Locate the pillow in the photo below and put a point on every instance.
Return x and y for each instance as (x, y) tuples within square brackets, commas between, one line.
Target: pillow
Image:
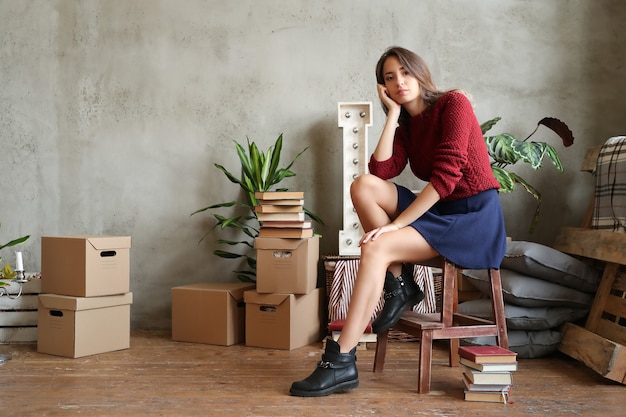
[(525, 318), (525, 291), (527, 344), (549, 264)]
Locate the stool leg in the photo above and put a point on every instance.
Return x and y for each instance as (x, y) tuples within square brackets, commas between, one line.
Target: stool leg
[(381, 351), (454, 352), (426, 356), (497, 305)]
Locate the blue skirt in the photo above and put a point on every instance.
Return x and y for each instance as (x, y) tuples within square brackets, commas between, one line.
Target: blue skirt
[(468, 232)]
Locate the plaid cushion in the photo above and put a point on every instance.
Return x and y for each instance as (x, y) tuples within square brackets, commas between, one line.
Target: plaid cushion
[(610, 193)]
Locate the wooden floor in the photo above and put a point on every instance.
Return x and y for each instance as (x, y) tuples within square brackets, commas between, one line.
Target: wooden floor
[(159, 377)]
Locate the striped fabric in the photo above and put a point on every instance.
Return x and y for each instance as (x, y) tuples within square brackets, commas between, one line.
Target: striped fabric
[(610, 193), (344, 276)]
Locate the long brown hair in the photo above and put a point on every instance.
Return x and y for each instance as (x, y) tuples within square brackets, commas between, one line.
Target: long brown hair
[(417, 67)]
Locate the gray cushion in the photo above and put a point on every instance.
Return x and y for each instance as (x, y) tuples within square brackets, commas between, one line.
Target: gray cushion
[(527, 344), (525, 318), (549, 264), (526, 291)]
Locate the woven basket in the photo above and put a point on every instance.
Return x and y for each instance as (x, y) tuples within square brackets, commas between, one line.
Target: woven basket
[(394, 335)]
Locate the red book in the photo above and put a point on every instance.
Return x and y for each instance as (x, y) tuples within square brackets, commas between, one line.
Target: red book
[(337, 326), (487, 354)]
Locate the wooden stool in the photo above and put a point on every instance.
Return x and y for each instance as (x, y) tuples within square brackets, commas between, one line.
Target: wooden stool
[(448, 324)]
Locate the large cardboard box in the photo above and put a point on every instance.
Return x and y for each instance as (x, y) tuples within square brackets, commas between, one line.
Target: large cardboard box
[(85, 266), (282, 321), (209, 312), (81, 326), (286, 265)]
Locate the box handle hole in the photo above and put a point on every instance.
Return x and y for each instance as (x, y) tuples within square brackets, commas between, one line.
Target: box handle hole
[(107, 253), (56, 313), (268, 309)]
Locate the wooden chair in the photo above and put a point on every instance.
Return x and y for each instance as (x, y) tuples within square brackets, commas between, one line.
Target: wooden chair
[(448, 324)]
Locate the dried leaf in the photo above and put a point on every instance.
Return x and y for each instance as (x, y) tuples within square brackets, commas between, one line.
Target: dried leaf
[(560, 128)]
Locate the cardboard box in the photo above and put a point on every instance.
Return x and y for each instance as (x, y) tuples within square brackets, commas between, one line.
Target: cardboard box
[(282, 321), (286, 266), (85, 266), (209, 312), (82, 326)]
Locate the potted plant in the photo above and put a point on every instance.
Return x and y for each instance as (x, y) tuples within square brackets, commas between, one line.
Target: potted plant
[(7, 272), (505, 150), (259, 172)]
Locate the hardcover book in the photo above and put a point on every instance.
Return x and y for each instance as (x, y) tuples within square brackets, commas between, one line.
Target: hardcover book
[(489, 367), (270, 208), (473, 386), (279, 195), (365, 337), (284, 202), (285, 233), (497, 378), (337, 325), (489, 396), (299, 216), (307, 224), (487, 354)]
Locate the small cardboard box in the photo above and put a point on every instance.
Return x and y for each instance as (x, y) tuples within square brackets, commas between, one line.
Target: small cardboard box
[(209, 312), (80, 326), (286, 266), (85, 266), (282, 321)]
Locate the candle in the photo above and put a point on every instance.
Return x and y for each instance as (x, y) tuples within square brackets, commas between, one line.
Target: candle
[(19, 266)]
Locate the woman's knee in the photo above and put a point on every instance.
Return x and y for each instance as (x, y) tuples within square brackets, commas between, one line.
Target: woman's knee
[(365, 185)]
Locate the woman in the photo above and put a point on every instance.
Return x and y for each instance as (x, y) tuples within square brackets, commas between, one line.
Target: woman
[(457, 215)]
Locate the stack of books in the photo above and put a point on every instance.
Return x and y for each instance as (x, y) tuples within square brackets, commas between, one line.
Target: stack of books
[(335, 327), (487, 372), (281, 214)]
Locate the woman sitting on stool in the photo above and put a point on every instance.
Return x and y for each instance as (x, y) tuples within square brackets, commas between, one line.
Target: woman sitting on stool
[(457, 215)]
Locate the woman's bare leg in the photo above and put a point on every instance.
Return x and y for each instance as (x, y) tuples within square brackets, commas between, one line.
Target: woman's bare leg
[(371, 198), (405, 245), (376, 203)]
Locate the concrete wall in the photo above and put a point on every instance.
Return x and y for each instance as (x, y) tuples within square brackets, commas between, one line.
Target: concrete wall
[(112, 113)]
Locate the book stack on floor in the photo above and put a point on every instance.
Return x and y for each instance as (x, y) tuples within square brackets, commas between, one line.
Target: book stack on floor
[(487, 372), (284, 311), (281, 214), (335, 327)]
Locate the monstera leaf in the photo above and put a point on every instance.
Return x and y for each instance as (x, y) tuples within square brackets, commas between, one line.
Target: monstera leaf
[(505, 150)]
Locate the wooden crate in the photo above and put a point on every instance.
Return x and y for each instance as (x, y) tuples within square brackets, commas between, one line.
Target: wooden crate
[(18, 316), (601, 344)]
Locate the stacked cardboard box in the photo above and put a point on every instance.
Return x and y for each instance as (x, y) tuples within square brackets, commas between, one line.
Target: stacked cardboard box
[(84, 305), (284, 312)]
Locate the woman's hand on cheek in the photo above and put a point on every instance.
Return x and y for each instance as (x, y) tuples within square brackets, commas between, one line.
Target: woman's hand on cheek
[(383, 94)]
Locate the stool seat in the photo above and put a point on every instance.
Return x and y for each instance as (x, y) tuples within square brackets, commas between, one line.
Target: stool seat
[(447, 324)]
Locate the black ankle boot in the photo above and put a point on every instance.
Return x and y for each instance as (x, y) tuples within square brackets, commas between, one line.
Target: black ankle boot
[(400, 293), (336, 372)]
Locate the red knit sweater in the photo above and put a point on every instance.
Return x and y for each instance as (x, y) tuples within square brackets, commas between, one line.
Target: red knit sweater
[(444, 146)]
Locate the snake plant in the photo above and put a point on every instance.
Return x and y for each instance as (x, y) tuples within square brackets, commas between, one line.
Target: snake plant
[(259, 172), (505, 150)]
